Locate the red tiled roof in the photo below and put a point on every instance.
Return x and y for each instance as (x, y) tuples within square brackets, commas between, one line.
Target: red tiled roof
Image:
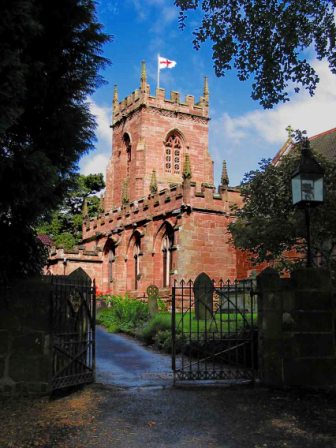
[(323, 143), (45, 239)]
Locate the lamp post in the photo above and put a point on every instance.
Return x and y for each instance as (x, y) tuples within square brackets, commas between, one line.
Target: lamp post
[(307, 188)]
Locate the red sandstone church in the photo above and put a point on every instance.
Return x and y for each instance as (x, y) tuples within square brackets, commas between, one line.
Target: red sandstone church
[(163, 217)]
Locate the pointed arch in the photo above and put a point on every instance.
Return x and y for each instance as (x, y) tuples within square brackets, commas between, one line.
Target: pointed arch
[(134, 254), (179, 133), (127, 140), (136, 234), (109, 253), (166, 225), (164, 245), (174, 145)]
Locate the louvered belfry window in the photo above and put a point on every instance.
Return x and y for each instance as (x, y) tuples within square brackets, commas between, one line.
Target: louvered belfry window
[(128, 146), (173, 148)]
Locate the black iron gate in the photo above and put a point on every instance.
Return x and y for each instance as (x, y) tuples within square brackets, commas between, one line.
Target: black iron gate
[(214, 330), (73, 305)]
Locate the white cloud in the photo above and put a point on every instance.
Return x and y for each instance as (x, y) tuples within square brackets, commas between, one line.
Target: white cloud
[(246, 139), (142, 7), (167, 15), (162, 9), (103, 118), (96, 163), (109, 6)]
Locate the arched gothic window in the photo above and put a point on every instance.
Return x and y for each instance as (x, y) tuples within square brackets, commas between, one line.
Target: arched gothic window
[(167, 256), (173, 149), (128, 146), (137, 254), (109, 252), (111, 258)]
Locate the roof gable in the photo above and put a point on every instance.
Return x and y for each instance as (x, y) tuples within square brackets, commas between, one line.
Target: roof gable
[(323, 143)]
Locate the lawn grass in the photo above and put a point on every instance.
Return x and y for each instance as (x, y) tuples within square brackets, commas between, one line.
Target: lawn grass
[(224, 322), (157, 330), (186, 322)]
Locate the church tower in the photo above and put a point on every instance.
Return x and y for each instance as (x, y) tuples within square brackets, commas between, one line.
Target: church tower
[(152, 133), (163, 219)]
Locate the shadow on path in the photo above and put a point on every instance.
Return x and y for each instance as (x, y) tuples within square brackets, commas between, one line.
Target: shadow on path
[(123, 361)]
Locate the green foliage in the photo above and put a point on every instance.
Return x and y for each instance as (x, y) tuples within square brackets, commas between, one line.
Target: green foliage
[(158, 323), (50, 58), (161, 305), (123, 314), (163, 341), (268, 224), (267, 39), (83, 187), (64, 225), (157, 331)]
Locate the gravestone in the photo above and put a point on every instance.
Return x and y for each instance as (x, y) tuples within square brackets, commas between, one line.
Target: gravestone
[(80, 278), (153, 295), (203, 293), (79, 275)]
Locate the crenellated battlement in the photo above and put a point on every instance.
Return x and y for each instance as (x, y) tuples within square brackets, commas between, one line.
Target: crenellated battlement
[(167, 202), (142, 98), (163, 217)]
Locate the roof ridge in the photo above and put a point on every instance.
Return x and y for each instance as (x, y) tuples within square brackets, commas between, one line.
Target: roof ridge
[(330, 131)]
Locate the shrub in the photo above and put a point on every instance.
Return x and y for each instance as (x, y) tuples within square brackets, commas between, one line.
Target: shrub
[(123, 314), (163, 341), (161, 305), (159, 322)]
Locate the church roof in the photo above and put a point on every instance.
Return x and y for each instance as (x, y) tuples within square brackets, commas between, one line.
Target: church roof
[(45, 239), (323, 143)]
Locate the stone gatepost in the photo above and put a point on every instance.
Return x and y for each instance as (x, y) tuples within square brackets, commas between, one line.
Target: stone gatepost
[(296, 320), (25, 329)]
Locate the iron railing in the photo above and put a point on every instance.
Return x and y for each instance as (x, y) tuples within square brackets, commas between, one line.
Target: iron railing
[(214, 330), (73, 309)]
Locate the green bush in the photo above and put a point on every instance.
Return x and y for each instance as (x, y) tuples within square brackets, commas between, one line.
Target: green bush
[(163, 341), (123, 314), (159, 322), (131, 316), (161, 305)]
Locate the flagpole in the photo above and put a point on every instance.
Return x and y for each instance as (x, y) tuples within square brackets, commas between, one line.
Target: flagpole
[(158, 71)]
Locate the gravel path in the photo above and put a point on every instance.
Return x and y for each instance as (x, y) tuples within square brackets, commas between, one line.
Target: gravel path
[(137, 406)]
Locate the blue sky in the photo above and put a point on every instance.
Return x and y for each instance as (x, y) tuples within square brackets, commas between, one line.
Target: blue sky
[(241, 132)]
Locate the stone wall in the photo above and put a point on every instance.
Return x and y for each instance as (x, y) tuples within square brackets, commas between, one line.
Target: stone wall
[(297, 329), (199, 219), (147, 120), (25, 354)]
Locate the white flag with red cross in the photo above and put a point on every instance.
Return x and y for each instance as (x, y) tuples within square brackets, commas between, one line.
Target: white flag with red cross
[(166, 63)]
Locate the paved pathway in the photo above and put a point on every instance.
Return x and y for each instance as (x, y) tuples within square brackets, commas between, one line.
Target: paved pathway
[(123, 361)]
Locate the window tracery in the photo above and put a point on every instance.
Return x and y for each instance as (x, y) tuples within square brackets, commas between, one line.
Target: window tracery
[(173, 149)]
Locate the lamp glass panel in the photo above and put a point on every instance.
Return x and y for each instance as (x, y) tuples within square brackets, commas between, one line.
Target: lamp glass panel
[(307, 189), (296, 189), (318, 187)]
